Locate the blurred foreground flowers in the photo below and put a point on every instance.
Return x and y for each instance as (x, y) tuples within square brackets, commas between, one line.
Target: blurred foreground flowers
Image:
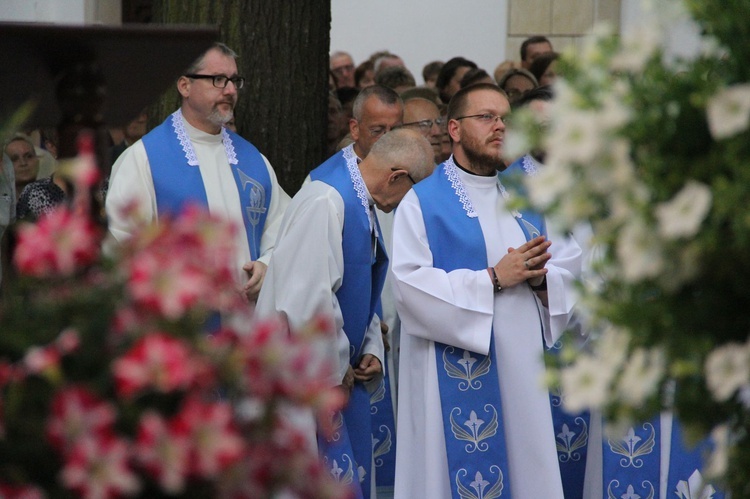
[(111, 387), (653, 151)]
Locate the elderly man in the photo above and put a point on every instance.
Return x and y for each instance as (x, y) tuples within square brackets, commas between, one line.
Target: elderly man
[(478, 291), (192, 158), (342, 273), (342, 67), (424, 115)]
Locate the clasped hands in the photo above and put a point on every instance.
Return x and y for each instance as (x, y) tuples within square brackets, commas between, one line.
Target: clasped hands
[(369, 366), (525, 263)]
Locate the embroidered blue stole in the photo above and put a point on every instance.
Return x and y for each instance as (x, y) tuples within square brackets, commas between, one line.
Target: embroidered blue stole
[(469, 384), (365, 266), (384, 434), (632, 464), (178, 182), (571, 430)]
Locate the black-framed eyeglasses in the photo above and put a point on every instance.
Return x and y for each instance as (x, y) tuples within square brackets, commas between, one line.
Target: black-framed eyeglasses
[(220, 81), (395, 169), (425, 125), (486, 118)]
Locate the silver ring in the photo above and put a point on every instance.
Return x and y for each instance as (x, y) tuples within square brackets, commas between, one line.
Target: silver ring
[(526, 263)]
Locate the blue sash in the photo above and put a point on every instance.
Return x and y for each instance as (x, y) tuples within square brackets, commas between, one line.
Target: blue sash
[(469, 385), (364, 275), (633, 463), (571, 430), (384, 434), (178, 182)]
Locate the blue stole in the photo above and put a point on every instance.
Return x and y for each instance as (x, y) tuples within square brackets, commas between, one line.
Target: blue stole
[(469, 385), (571, 430), (384, 434), (365, 267), (178, 182), (633, 463)]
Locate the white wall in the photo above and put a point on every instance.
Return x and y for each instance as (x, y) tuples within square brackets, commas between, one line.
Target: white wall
[(61, 11), (421, 31)]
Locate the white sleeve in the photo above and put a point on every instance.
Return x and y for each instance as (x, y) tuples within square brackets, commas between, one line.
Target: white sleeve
[(430, 301), (564, 269), (279, 202), (307, 267), (130, 186)]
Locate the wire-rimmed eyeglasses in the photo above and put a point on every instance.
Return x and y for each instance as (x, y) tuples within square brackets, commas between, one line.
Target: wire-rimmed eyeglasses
[(486, 118), (425, 125), (220, 81)]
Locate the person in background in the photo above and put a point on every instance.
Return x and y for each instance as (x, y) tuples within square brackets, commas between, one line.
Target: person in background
[(430, 72), (503, 67), (474, 76), (342, 66), (364, 75), (533, 47), (386, 60), (131, 133), (516, 83), (449, 79), (396, 77), (424, 115), (544, 68), (25, 161)]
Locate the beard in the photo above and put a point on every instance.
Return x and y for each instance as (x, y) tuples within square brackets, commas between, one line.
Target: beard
[(482, 162), (220, 118)]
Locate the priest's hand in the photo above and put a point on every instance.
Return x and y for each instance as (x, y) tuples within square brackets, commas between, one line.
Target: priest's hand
[(384, 333), (347, 384), (256, 272), (368, 367), (524, 263)]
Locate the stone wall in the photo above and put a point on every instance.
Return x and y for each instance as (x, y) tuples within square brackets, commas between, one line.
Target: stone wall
[(564, 22)]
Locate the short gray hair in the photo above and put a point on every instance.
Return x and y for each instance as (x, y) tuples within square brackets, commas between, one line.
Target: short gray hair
[(385, 95), (197, 65), (406, 148)]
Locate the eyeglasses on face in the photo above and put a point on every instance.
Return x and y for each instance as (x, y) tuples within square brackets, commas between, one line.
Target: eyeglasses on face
[(220, 81), (396, 169), (425, 125), (348, 68), (379, 131), (486, 118)]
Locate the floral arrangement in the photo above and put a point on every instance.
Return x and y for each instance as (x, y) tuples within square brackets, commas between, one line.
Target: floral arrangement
[(109, 386), (653, 153)]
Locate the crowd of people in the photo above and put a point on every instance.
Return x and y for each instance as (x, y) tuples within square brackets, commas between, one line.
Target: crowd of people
[(442, 309)]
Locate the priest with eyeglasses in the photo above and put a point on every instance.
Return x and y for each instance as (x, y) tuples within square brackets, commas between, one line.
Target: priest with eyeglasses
[(480, 288), (193, 158)]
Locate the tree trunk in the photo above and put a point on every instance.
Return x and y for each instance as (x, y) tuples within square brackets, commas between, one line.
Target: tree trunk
[(283, 54)]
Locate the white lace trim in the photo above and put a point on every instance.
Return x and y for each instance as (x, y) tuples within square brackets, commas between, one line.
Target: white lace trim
[(359, 183), (187, 145), (458, 186), (451, 170), (228, 147), (530, 165)]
